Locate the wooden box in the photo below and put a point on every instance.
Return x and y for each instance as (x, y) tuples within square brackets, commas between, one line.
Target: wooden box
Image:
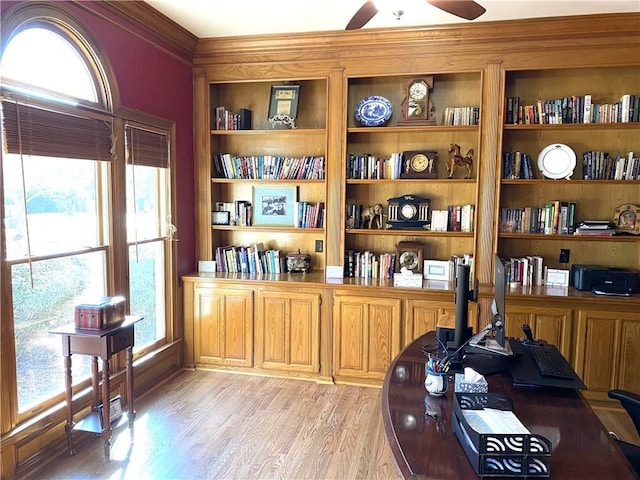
[(105, 312)]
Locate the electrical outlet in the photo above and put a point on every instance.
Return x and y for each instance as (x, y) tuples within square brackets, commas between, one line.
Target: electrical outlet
[(564, 255), (318, 246)]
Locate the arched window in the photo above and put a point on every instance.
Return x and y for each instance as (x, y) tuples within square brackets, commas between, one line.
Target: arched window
[(71, 171)]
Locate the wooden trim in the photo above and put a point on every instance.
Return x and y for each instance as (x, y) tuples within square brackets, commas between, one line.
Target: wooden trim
[(150, 20)]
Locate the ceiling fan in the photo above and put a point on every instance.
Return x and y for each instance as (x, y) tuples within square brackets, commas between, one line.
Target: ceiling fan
[(467, 9)]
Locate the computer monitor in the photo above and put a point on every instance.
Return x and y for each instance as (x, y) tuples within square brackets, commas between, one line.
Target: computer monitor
[(492, 339)]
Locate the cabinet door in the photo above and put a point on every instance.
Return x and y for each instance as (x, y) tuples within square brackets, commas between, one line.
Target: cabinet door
[(287, 331), (223, 326), (608, 352), (553, 325), (366, 336), (422, 316)]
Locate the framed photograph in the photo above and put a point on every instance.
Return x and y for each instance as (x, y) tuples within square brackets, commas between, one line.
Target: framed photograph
[(220, 217), (627, 219), (274, 206), (557, 277), (284, 101), (115, 410)]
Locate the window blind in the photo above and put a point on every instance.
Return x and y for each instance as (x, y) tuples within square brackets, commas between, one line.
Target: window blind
[(32, 130), (147, 148)]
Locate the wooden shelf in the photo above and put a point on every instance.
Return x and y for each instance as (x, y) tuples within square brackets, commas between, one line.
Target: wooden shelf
[(275, 132), (570, 238), (266, 180), (565, 182), (574, 126), (406, 233), (415, 129), (267, 228)]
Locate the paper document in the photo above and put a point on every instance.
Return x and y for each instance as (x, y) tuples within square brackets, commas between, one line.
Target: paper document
[(490, 420)]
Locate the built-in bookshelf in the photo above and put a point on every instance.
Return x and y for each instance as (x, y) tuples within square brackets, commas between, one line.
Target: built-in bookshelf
[(380, 150), (271, 180), (605, 174)]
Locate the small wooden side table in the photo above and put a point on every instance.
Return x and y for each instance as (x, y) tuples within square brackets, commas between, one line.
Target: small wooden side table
[(103, 344)]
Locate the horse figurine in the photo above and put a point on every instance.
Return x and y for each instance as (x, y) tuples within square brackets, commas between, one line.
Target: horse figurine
[(459, 160)]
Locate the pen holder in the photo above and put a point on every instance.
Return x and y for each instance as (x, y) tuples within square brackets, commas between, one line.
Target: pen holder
[(436, 383)]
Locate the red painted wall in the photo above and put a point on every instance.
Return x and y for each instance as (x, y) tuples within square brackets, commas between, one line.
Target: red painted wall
[(155, 79)]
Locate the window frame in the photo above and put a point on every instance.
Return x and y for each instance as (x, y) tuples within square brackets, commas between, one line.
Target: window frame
[(61, 22)]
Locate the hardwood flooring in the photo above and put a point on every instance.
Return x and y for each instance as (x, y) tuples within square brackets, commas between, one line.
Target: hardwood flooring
[(211, 425), (214, 425)]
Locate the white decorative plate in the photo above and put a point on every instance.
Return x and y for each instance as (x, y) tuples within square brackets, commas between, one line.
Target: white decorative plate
[(373, 111), (557, 161)]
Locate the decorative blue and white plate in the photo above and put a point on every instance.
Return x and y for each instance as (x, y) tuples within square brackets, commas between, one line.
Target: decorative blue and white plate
[(373, 111)]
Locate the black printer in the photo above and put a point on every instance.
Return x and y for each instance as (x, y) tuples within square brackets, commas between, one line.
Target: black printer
[(605, 280)]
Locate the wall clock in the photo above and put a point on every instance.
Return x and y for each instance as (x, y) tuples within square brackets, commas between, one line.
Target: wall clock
[(409, 256), (417, 107), (419, 164), (408, 212)]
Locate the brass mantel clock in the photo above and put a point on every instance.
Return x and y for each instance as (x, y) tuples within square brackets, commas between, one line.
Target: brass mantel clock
[(417, 108)]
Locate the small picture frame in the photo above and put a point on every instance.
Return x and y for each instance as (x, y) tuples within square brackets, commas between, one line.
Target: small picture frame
[(283, 105), (115, 410), (557, 277), (627, 219), (274, 206), (220, 217)]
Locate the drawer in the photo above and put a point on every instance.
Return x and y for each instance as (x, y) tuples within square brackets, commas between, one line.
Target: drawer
[(120, 341)]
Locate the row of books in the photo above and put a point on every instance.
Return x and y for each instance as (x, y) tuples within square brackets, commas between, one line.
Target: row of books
[(517, 165), (309, 215), (598, 165), (305, 214), (525, 271), (596, 227), (240, 212), (268, 167), (552, 218), (574, 109), (464, 259), (369, 265), (370, 167), (227, 120), (254, 259), (456, 218), (461, 116)]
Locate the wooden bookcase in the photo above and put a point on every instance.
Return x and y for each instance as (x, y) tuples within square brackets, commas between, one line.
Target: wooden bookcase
[(353, 327), (308, 139), (450, 90), (594, 199)]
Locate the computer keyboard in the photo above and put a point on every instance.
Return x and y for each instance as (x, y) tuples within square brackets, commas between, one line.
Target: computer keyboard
[(550, 362)]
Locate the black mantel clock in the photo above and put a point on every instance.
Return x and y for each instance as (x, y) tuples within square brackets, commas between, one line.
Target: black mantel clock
[(408, 212), (417, 107)]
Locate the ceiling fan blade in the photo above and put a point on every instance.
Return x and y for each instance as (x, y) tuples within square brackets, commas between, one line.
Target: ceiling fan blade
[(366, 12), (460, 8)]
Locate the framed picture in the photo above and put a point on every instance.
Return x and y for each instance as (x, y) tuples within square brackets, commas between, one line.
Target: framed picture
[(557, 277), (274, 206), (220, 217), (627, 219), (284, 101)]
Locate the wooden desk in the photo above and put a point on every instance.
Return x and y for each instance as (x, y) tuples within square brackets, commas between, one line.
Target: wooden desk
[(103, 344), (424, 447)]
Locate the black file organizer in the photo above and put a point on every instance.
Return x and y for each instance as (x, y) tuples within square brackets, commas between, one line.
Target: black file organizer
[(499, 455)]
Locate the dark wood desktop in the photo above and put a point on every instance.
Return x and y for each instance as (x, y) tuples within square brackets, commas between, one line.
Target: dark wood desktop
[(426, 447)]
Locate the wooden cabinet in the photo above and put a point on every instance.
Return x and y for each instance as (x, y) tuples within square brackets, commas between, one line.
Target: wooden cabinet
[(222, 326), (287, 331), (366, 336), (554, 325), (608, 351), (476, 65), (422, 316)]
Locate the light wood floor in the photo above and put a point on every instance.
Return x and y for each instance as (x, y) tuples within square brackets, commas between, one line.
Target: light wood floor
[(212, 425)]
